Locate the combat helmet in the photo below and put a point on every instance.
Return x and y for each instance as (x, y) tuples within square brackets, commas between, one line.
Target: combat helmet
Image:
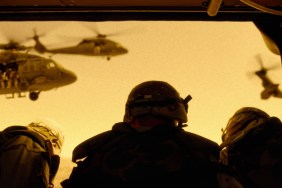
[(49, 130), (243, 121), (157, 98)]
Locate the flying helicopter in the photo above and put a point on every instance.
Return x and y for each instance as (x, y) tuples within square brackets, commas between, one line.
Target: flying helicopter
[(270, 88), (96, 46), (21, 72)]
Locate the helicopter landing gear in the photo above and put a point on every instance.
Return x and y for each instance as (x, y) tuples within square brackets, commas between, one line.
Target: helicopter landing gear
[(34, 95), (23, 85)]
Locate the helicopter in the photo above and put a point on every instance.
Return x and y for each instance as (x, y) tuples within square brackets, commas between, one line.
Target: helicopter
[(97, 46), (22, 72), (270, 88)]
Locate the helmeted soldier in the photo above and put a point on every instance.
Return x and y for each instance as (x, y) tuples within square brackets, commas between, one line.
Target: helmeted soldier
[(29, 155), (149, 147), (251, 146)]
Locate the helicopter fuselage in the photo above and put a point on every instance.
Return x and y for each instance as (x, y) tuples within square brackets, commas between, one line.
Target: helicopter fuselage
[(23, 72), (269, 87), (98, 46), (265, 80)]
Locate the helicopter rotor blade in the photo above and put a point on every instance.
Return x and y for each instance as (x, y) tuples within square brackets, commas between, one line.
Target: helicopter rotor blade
[(262, 67), (98, 34), (18, 43), (122, 31), (260, 61), (13, 45), (274, 67), (91, 28), (35, 35), (252, 74)]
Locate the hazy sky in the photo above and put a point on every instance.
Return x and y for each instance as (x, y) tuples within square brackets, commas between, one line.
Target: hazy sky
[(211, 61)]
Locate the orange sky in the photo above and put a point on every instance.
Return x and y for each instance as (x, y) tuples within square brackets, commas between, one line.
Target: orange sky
[(208, 60)]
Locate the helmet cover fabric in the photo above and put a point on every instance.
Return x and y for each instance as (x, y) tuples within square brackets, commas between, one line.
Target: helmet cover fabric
[(49, 130), (244, 120)]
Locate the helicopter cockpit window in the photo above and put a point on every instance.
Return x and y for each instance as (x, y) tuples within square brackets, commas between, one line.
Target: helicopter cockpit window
[(50, 65)]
